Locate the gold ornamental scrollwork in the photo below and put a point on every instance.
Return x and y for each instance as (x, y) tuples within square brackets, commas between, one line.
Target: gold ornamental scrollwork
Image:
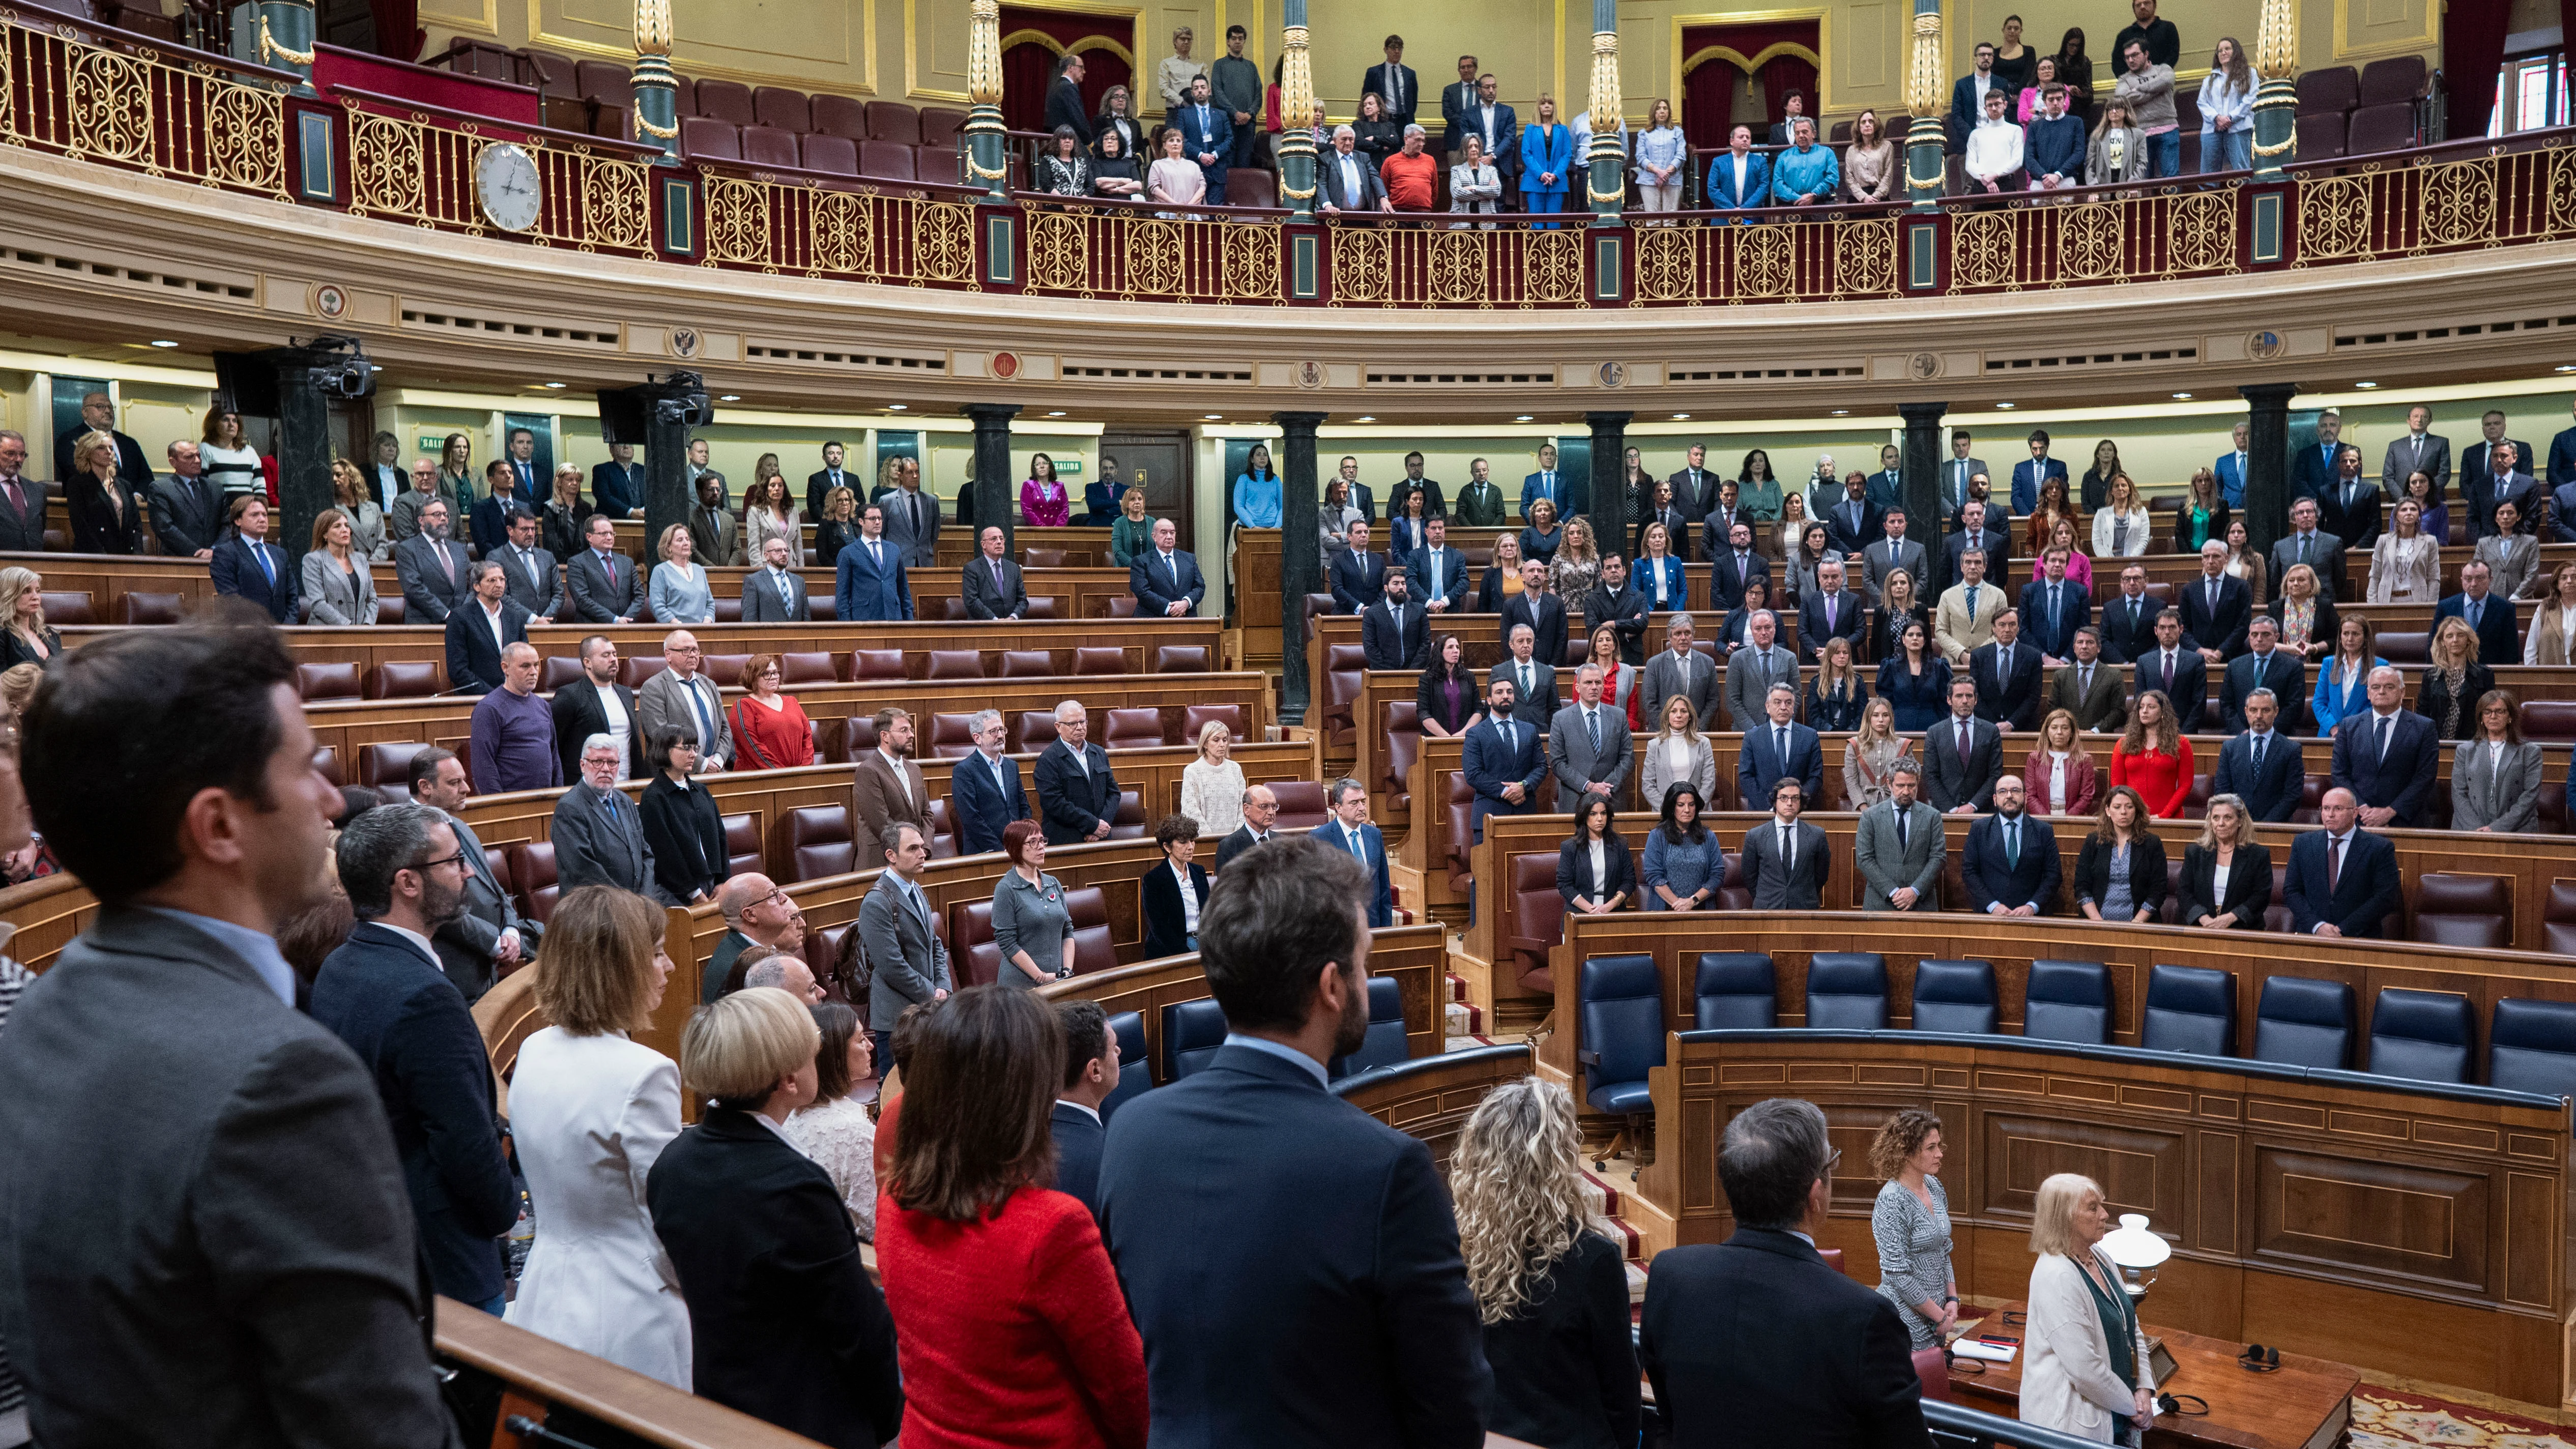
[(1252, 261), (1060, 252), (844, 234), (1865, 257), (245, 138), (2561, 209), (8, 67), (615, 208), (943, 242), (1458, 267), (1555, 266), (2089, 243), (738, 222), (1668, 264), (1155, 265), (2200, 233), (385, 168), (1360, 267), (2334, 218), (111, 106), (1765, 261), (2459, 202), (1984, 249)]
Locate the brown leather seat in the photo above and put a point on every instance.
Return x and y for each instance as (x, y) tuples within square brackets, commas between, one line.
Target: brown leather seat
[(405, 679), (955, 664), (823, 953), (1301, 804), (557, 671), (703, 139), (1103, 659), (779, 106), (724, 669), (970, 936), (941, 125), (807, 666), (1180, 658), (858, 736), (813, 841), (866, 664), (634, 669), (1033, 731), (1118, 606), (1028, 664), (742, 843), (1129, 821), (885, 161), (1247, 186), (769, 146), (1402, 731), (389, 609), (68, 606), (600, 80), (1195, 717), (2415, 647), (724, 100), (843, 117), (137, 607), (2553, 720), (1345, 666), (2472, 911), (532, 874), (386, 767), (950, 736), (1094, 949), (943, 831), (1461, 799), (952, 609), (1042, 606), (1317, 605), (2558, 918), (337, 679), (1042, 558), (728, 609), (891, 121), (831, 155), (1534, 918), (1133, 729)]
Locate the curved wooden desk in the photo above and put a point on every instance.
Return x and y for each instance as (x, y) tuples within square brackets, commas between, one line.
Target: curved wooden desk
[(2412, 1228), (1432, 1097)]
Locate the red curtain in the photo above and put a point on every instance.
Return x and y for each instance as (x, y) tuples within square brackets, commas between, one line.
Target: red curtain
[(1705, 86), (1783, 76), (1101, 66), (1707, 96), (2472, 55), (398, 32)]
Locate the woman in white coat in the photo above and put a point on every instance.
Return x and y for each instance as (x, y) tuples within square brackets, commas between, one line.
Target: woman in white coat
[(2087, 1372), (590, 1110)]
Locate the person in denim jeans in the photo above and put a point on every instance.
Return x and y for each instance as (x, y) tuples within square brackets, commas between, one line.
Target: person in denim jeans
[(2147, 89), (2227, 110)]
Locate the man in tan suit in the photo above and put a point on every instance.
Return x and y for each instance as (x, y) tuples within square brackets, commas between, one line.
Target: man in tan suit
[(886, 788), (1965, 618)]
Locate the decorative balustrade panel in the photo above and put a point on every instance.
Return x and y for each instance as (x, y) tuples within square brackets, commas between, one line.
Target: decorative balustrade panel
[(855, 233), (408, 165), (1838, 258), (2411, 205), (1452, 264), (1132, 254), (2176, 230), (171, 113)]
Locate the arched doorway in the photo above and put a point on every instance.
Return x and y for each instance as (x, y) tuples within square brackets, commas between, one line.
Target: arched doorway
[(1734, 73), (1035, 40)]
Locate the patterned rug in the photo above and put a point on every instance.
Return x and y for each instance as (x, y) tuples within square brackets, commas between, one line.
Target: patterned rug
[(2387, 1419)]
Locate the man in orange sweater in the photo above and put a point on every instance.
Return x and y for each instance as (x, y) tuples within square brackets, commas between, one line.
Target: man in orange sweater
[(1411, 175)]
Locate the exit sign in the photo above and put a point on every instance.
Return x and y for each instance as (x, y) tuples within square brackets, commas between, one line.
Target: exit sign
[(432, 442), (1069, 468)]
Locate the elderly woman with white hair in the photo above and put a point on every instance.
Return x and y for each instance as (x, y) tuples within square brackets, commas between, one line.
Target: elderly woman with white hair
[(2087, 1373)]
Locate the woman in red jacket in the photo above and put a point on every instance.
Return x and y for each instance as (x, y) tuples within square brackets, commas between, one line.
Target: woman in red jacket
[(1009, 1322), (2153, 758)]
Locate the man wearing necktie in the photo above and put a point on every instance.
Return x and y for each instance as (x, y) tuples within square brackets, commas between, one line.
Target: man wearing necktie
[(2488, 617), (2261, 766), (2420, 451), (1394, 633), (1443, 574), (1349, 830), (1956, 472), (683, 700), (606, 589), (1965, 617), (2307, 543), (1786, 860), (523, 463), (2006, 676), (2342, 880), (2312, 468), (1394, 82), (245, 564), (1962, 756), (1547, 483), (2053, 609), (1753, 669), (1828, 612), (1260, 812), (598, 833), (2263, 666), (2177, 670), (1166, 580), (2387, 758), (1501, 759), (2231, 469), (819, 484), (1207, 137), (534, 581), (1776, 747), (1588, 744), (774, 593), (1694, 487), (869, 579), (2217, 608), (431, 568), (2010, 866)]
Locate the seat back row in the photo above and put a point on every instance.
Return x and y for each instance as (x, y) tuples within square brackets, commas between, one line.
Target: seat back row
[(421, 679)]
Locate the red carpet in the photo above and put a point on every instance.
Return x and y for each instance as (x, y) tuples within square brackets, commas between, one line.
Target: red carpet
[(2387, 1419)]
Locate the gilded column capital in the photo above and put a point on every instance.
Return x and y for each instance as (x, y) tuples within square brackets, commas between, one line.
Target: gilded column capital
[(984, 52), (653, 27)]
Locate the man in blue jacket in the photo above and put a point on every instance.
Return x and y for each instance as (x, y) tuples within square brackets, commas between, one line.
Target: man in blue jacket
[(868, 579), (1207, 138), (1806, 174), (2053, 151), (1739, 179)]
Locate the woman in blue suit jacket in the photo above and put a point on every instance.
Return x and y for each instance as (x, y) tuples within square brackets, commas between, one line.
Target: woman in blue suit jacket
[(2343, 680), (1547, 156), (1649, 566)]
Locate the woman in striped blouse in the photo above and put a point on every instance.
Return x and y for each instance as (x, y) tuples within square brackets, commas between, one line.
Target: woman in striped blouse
[(1911, 1222)]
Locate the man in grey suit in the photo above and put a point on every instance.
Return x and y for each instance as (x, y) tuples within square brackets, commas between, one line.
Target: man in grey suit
[(2419, 451), (536, 580), (2089, 686), (205, 1237), (606, 586), (1753, 669), (1786, 860), (487, 938), (1891, 552), (1901, 846), (1588, 747), (431, 567), (1683, 670), (912, 517), (2308, 544), (598, 833), (187, 512), (907, 963), (684, 700), (1533, 680), (992, 583), (774, 593)]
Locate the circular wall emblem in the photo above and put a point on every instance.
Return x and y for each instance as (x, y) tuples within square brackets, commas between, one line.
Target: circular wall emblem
[(330, 301), (1006, 365), (2266, 346), (1310, 375), (684, 342), (1613, 374), (1923, 366)]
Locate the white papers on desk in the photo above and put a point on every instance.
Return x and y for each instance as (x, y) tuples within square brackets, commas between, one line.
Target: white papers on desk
[(1990, 1352)]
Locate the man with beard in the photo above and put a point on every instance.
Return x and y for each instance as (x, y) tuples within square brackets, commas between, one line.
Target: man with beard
[(385, 994)]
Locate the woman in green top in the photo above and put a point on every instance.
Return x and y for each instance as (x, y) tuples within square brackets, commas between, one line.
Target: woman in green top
[(1132, 533), (2087, 1372), (1756, 491), (456, 481), (2203, 515)]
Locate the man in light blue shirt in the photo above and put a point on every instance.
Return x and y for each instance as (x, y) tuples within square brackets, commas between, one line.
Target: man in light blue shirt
[(1806, 174)]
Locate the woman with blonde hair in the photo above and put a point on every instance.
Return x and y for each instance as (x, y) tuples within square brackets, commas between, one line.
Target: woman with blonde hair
[(1910, 1221), (2153, 756), (1544, 536), (1577, 565), (2121, 528), (1553, 1295), (590, 1113), (1836, 698), (105, 517), (2086, 1370), (1663, 159), (2454, 681), (2227, 873), (1212, 785), (2059, 773), (2406, 563), (838, 528), (357, 504), (2203, 515), (1899, 603), (1676, 753), (1502, 577), (2309, 623), (24, 637), (1869, 761), (768, 511), (679, 587), (337, 582), (2552, 636)]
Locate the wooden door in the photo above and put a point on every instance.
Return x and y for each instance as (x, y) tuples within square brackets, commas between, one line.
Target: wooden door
[(1161, 461)]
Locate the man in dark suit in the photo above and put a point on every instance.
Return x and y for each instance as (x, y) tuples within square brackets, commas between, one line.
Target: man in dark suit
[(1457, 103), (869, 579), (1077, 796), (1786, 860), (1090, 1075), (2088, 686), (2129, 617), (1963, 757), (1539, 608), (432, 569), (2307, 543), (1976, 530), (1734, 566), (486, 933), (1394, 83), (598, 833), (98, 415), (1829, 611), (2261, 766), (911, 516), (1533, 680), (1885, 488), (487, 622), (384, 993), (1852, 521), (1480, 503), (22, 499), (247, 565), (1350, 183), (2031, 476), (2419, 450), (2052, 609), (519, 450), (606, 588), (2312, 468), (2217, 609), (1776, 747), (1260, 808), (2342, 880), (2006, 673), (1249, 1173), (1968, 98), (1822, 1362), (820, 483), (532, 578), (2351, 505), (1503, 758), (1437, 571), (1207, 137), (1165, 579), (1694, 486), (187, 512), (2387, 757), (1891, 552), (1958, 469), (2176, 669), (1614, 602), (597, 704), (205, 1223), (489, 525), (2479, 463), (617, 486), (2504, 477), (2262, 666), (1394, 632), (992, 585), (774, 593), (1349, 831), (2010, 866), (984, 793), (2490, 618), (1064, 105), (1357, 576), (1569, 493), (1498, 127)]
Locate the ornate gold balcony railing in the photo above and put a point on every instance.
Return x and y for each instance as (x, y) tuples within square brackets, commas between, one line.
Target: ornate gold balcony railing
[(2094, 237), (415, 165), (1442, 263), (855, 233), (175, 113), (2410, 205), (1133, 253), (1838, 259)]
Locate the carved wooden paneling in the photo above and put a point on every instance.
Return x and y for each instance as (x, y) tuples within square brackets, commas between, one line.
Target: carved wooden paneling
[(2397, 1220)]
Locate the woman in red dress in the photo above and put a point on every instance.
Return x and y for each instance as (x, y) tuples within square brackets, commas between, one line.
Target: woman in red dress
[(2153, 758), (770, 731)]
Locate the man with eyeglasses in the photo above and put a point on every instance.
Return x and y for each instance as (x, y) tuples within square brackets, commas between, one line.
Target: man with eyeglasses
[(598, 833), (487, 935), (385, 994), (1260, 812), (756, 913)]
